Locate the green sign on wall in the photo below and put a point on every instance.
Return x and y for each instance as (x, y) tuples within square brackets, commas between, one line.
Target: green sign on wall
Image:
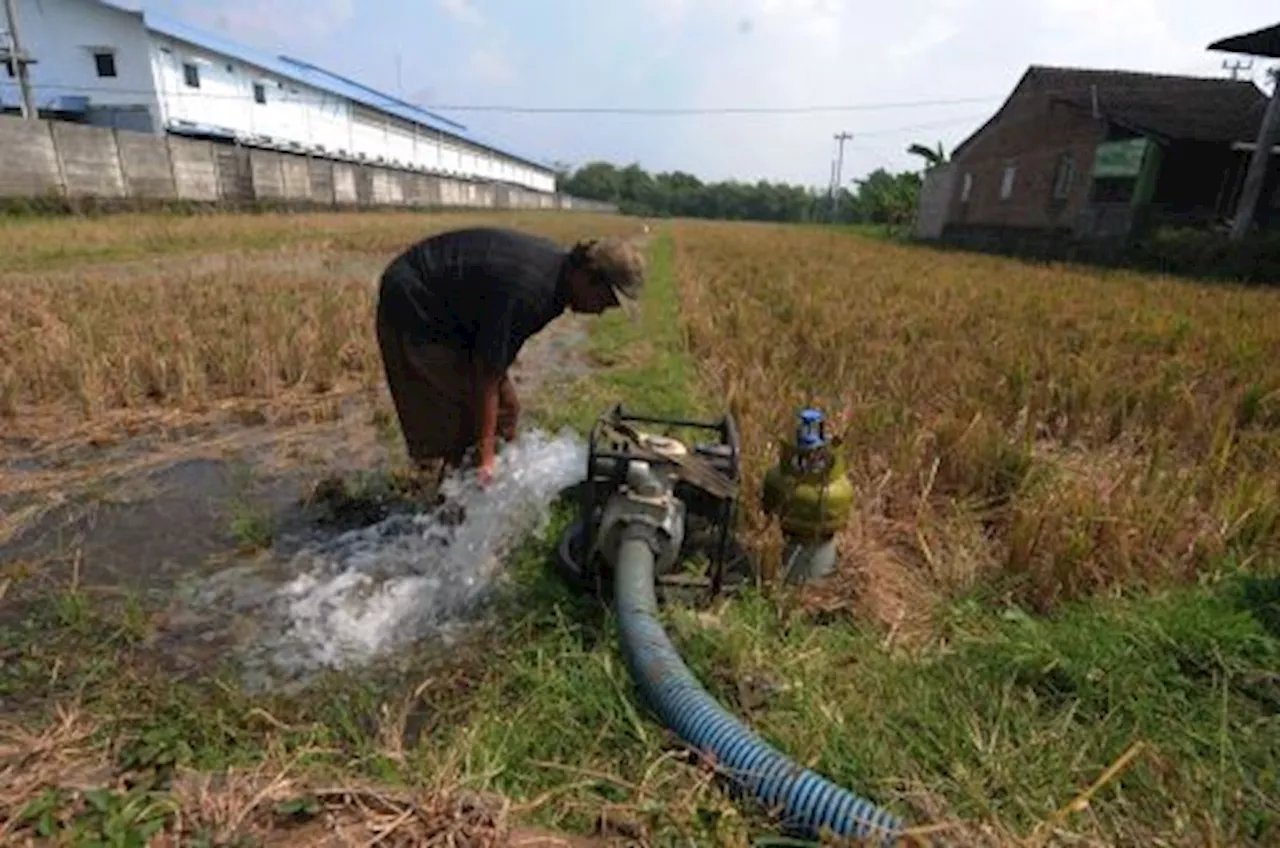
[(1120, 158)]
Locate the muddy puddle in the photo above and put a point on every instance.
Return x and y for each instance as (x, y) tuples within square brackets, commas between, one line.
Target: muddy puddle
[(325, 599), (316, 595), (143, 537)]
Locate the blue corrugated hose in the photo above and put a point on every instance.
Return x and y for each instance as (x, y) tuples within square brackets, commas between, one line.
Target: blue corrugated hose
[(809, 802)]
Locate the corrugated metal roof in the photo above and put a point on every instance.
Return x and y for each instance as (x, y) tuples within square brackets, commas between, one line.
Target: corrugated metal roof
[(1260, 42), (318, 78)]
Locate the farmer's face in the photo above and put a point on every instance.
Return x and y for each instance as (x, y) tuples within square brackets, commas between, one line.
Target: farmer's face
[(587, 297)]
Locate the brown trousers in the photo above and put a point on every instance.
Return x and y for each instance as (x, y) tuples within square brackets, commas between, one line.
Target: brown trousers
[(433, 388)]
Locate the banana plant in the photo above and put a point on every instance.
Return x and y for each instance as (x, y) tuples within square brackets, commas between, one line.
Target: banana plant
[(933, 157)]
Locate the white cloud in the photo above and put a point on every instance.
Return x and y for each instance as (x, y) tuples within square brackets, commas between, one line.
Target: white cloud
[(489, 66), (943, 21), (792, 56), (1102, 33), (668, 13), (463, 11), (277, 24), (822, 52)]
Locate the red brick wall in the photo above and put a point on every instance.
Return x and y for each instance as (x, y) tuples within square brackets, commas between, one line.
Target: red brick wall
[(1031, 135)]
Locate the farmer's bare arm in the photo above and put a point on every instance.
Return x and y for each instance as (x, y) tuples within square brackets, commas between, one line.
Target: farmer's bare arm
[(487, 385)]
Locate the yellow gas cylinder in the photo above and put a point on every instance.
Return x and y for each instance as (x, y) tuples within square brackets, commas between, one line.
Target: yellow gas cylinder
[(811, 495)]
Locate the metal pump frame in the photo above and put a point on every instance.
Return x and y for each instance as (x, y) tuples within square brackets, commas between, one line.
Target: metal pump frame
[(607, 460)]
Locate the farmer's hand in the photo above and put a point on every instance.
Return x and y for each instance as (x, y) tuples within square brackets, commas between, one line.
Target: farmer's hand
[(485, 473)]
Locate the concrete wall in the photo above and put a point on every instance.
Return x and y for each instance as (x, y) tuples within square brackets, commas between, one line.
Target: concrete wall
[(60, 159), (90, 161), (195, 171), (144, 161), (935, 199), (29, 166)]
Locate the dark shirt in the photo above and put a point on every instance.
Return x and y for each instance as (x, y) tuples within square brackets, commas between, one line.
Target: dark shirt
[(482, 290)]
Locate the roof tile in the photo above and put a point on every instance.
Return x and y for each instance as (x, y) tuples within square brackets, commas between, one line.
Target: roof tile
[(1174, 107)]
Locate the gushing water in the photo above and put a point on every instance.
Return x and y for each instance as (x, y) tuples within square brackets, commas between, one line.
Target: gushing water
[(356, 596)]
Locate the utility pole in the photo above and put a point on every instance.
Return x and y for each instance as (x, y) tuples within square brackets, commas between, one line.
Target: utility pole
[(840, 138), (1236, 67), (831, 191), (1254, 178), (18, 60)]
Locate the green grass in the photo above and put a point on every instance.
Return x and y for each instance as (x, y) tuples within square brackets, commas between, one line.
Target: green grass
[(1006, 718), (1002, 718), (640, 364)]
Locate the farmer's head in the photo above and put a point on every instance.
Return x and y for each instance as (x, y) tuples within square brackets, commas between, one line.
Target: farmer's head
[(604, 273)]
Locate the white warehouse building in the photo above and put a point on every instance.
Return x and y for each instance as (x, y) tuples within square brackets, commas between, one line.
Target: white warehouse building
[(106, 64)]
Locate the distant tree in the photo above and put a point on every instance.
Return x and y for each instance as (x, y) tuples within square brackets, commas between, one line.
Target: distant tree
[(888, 199), (595, 181), (880, 198)]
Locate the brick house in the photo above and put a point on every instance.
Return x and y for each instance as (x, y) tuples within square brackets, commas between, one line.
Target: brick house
[(1096, 155)]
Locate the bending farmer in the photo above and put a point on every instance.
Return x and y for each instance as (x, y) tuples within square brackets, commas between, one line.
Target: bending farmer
[(453, 312)]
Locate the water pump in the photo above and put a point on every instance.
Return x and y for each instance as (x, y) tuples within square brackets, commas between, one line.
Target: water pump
[(685, 492), (642, 494)]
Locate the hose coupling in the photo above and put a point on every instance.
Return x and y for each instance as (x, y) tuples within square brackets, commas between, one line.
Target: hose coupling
[(645, 508)]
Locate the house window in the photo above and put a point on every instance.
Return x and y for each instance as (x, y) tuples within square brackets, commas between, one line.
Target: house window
[(191, 74), (966, 188), (259, 93), (1064, 176), (1006, 184), (105, 63), (8, 67)]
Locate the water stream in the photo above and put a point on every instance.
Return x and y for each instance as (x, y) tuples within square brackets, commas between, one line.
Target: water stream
[(350, 598)]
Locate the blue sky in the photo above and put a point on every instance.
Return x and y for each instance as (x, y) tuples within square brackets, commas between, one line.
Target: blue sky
[(727, 53)]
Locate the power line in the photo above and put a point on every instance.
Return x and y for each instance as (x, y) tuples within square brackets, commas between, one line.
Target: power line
[(297, 96), (706, 110), (291, 94)]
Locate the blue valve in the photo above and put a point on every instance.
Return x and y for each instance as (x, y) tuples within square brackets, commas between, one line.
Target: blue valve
[(810, 435)]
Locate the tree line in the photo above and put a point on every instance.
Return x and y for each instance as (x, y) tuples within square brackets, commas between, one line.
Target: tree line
[(881, 197)]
